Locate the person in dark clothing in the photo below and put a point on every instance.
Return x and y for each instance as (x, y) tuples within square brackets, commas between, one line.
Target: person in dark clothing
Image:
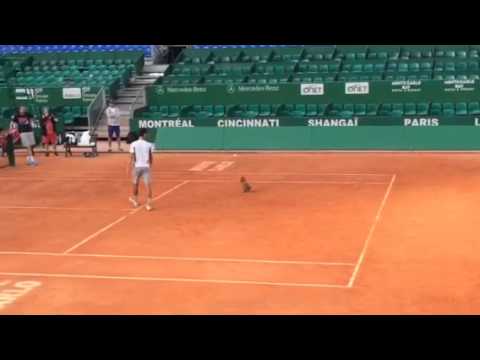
[(22, 121), (49, 131)]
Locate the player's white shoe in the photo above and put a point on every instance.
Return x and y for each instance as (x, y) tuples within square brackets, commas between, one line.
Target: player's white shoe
[(148, 207), (133, 201)]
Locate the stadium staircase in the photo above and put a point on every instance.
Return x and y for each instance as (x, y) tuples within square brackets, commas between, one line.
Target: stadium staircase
[(132, 97)]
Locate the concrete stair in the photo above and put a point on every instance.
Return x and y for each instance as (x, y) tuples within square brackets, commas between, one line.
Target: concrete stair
[(131, 98)]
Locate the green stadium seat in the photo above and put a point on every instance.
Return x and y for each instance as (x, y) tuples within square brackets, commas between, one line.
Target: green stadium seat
[(461, 108), (414, 67), (347, 67), (385, 110), (368, 68), (449, 66), (422, 108), (410, 109), (195, 72), (426, 66), (252, 111), (77, 111), (173, 111), (323, 68), (360, 110), (335, 109), (219, 111), (397, 109), (473, 53), (357, 68), (392, 66), (207, 111), (311, 110), (461, 66), (415, 54), (427, 54), (372, 109), (279, 69), (153, 109), (402, 67), (436, 109), (347, 111), (473, 66), (379, 67), (299, 110), (322, 109), (449, 53), (302, 68), (348, 56), (474, 108), (328, 56), (265, 110), (448, 109), (333, 68), (163, 110)]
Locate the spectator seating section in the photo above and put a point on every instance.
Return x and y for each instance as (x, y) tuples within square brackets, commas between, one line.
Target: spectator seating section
[(39, 49), (273, 65), (267, 65)]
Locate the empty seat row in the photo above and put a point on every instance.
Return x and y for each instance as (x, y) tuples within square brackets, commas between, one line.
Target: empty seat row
[(334, 54), (315, 110), (35, 49)]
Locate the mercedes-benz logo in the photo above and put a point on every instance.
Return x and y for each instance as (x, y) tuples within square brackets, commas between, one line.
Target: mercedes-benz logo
[(160, 90), (230, 88)]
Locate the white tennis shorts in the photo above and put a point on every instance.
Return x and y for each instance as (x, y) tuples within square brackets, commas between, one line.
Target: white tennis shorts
[(27, 139)]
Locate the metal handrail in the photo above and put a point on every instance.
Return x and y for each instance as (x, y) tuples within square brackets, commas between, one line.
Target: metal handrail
[(96, 121)]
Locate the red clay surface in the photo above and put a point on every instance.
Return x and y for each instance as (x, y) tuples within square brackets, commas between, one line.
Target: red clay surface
[(324, 233)]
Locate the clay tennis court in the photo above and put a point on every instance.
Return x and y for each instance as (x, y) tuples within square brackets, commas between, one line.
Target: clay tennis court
[(323, 233)]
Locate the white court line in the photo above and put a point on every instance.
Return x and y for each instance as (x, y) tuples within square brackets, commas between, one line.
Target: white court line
[(370, 233), (165, 193), (136, 278), (102, 230), (57, 208), (232, 173), (209, 181), (203, 165), (198, 259), (222, 166)]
